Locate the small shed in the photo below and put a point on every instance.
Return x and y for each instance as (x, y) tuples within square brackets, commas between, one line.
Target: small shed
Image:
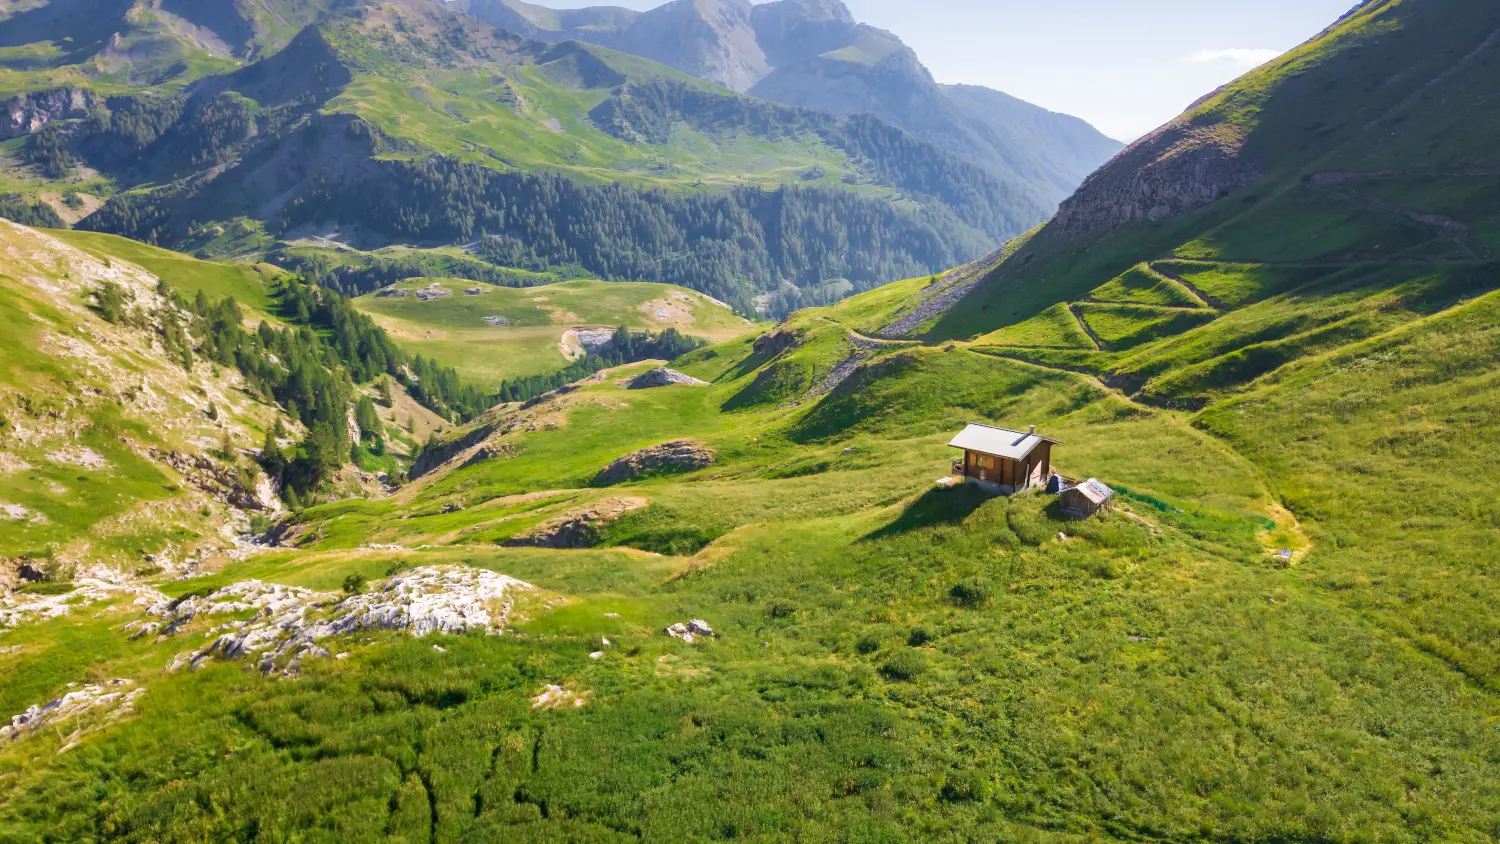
[(1003, 460), (1086, 499)]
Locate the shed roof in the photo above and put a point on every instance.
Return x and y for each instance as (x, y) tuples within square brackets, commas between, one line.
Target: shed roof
[(1095, 491), (1001, 442)]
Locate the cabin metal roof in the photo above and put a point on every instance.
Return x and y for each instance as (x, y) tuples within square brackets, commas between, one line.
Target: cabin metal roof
[(1095, 491), (1001, 442)]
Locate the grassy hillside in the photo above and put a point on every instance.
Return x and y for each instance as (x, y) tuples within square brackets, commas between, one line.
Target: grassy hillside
[(453, 331), (888, 655), (1331, 218), (94, 411)]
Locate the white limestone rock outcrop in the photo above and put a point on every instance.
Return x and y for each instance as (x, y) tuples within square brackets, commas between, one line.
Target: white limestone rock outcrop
[(690, 631), (92, 706), (290, 621)]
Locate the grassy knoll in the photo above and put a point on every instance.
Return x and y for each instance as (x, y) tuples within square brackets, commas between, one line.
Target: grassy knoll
[(1141, 285), (83, 404), (452, 330)]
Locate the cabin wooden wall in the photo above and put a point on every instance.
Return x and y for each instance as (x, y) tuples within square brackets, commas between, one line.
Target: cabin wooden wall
[(1012, 473)]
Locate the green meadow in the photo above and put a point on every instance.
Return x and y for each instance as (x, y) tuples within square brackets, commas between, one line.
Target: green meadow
[(913, 662), (452, 329)]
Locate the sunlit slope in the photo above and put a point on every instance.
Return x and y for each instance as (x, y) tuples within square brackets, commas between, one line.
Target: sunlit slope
[(533, 337), (1333, 194), (866, 624), (101, 419)]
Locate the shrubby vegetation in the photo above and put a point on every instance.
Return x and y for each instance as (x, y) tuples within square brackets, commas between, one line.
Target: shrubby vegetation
[(48, 151), (357, 276), (16, 209), (309, 368)]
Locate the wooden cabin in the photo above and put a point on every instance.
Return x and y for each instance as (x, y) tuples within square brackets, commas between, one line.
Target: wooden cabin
[(1003, 460), (1086, 499)]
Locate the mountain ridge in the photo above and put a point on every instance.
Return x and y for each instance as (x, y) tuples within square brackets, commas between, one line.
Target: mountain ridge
[(229, 162), (814, 54)]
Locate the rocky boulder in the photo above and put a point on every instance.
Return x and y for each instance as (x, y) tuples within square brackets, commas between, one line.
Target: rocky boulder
[(221, 482), (664, 378), (666, 459), (578, 528), (690, 631), (773, 344), (97, 703)]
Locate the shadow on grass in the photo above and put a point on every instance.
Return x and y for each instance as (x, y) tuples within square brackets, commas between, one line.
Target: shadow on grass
[(937, 506)]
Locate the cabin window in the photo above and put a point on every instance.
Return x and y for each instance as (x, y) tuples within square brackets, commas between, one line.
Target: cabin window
[(984, 461)]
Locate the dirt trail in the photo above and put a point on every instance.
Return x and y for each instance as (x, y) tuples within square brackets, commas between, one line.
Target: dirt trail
[(951, 287), (1204, 300), (1268, 486), (1438, 224), (1098, 342), (1211, 301)]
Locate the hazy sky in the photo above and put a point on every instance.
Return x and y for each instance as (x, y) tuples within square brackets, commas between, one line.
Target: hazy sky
[(1127, 66)]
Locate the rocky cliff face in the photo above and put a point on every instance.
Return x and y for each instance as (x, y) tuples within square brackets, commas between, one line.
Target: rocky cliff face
[(1174, 170), (31, 113)]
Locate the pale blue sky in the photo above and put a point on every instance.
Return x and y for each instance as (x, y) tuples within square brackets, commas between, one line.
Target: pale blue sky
[(1127, 66)]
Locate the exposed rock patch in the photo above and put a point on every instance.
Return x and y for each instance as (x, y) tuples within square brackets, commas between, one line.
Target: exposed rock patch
[(28, 114), (578, 528), (84, 458), (17, 513), (595, 339), (290, 621), (939, 298), (93, 586), (220, 482), (557, 697), (433, 291), (1176, 169), (490, 452), (773, 344), (94, 706), (391, 293), (549, 396), (690, 631), (664, 378), (10, 464), (497, 321), (668, 458)]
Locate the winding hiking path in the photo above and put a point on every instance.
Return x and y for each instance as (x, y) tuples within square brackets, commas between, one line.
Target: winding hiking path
[(1445, 227), (1083, 324)]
